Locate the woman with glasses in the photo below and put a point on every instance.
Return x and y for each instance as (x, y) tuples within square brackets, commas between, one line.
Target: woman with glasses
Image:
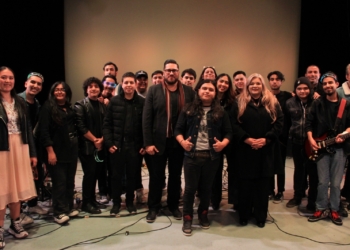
[(257, 121), (226, 98), (17, 154), (59, 137), (203, 130)]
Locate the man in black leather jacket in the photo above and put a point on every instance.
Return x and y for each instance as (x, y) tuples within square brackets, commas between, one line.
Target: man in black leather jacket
[(89, 120)]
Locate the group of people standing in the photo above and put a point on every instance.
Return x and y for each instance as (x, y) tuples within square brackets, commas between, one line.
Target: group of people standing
[(175, 125)]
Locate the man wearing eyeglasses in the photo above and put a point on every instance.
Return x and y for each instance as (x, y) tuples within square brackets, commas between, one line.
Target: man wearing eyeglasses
[(141, 82), (162, 107), (33, 85)]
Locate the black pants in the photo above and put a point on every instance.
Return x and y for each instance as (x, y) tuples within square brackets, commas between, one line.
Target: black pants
[(199, 173), (174, 155), (91, 169), (281, 178), (104, 177), (124, 160), (302, 168), (62, 176), (39, 183), (253, 194), (216, 195), (138, 183)]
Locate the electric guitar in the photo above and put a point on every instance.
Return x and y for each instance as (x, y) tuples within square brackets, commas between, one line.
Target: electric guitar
[(324, 142)]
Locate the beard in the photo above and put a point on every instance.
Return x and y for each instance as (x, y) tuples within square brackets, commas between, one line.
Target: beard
[(171, 83), (108, 95)]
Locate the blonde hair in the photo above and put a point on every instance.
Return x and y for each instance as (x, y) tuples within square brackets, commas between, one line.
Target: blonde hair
[(268, 100)]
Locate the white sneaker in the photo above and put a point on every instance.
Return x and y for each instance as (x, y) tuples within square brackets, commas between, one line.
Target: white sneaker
[(25, 219), (37, 210), (16, 229), (2, 240), (73, 213), (140, 197), (62, 218)]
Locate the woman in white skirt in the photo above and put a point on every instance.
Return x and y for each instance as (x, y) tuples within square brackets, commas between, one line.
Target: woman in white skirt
[(17, 154)]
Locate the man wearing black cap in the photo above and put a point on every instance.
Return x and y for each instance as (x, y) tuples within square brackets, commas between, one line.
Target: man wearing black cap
[(141, 82), (329, 116), (275, 80), (297, 109)]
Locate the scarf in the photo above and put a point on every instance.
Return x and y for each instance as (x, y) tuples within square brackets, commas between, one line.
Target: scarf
[(181, 103)]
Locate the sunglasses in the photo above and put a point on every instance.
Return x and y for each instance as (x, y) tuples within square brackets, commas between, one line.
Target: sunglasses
[(110, 84)]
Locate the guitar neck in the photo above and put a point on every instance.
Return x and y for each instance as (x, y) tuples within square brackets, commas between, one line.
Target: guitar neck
[(331, 141)]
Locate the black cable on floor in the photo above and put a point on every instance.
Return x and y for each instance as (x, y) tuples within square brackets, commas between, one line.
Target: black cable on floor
[(304, 237)]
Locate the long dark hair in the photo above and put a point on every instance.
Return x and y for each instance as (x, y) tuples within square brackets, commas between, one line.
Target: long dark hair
[(19, 103), (196, 107), (229, 95), (53, 102)]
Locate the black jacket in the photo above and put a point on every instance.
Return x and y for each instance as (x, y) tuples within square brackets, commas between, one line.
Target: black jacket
[(85, 122), (59, 135), (154, 118), (257, 123), (318, 124), (188, 125), (25, 127), (113, 124)]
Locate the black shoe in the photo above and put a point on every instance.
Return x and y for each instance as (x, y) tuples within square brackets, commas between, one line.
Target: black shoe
[(260, 224), (293, 202), (311, 206), (278, 197), (272, 196), (342, 212), (243, 222), (203, 219), (176, 213), (215, 206), (318, 215), (91, 209), (187, 226), (115, 210), (96, 204), (151, 216), (131, 208)]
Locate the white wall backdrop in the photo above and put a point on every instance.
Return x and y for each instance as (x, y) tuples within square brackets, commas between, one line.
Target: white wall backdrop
[(250, 35)]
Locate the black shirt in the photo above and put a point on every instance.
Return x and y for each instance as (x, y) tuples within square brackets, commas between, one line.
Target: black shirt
[(128, 126), (32, 110), (97, 118)]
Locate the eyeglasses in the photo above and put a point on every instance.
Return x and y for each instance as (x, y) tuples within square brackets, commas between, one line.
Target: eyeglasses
[(36, 74), (110, 84), (171, 70), (60, 90)]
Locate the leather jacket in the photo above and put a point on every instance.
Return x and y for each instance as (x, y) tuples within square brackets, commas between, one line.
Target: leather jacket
[(85, 122), (25, 127)]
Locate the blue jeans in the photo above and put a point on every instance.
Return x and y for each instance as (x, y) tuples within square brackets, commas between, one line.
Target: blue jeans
[(330, 169)]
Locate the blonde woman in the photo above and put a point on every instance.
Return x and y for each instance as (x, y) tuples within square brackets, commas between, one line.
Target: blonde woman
[(257, 121)]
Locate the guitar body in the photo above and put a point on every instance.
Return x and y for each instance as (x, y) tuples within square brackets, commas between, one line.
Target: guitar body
[(315, 155)]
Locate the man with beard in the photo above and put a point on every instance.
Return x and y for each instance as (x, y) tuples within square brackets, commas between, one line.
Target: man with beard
[(313, 74), (163, 104), (239, 80), (329, 115), (34, 85), (109, 86), (110, 69), (141, 82), (275, 80)]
